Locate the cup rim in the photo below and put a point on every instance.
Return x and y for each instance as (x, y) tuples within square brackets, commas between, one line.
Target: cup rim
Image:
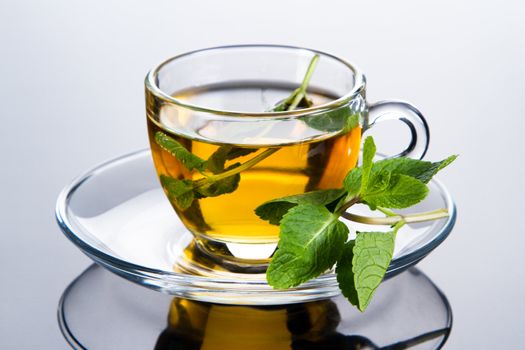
[(359, 85)]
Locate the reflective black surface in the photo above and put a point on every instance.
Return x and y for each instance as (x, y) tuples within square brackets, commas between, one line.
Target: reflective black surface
[(100, 310)]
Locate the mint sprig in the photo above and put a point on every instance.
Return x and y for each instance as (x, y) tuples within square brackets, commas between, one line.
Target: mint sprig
[(312, 239)]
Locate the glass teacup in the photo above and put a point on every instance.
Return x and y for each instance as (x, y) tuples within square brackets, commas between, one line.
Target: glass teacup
[(220, 151)]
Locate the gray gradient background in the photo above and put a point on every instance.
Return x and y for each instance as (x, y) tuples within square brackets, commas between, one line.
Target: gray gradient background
[(69, 67)]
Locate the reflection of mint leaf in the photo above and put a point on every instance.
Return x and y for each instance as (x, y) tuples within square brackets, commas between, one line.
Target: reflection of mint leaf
[(218, 158), (341, 119), (363, 266), (179, 192), (393, 191), (187, 158), (419, 169), (274, 210), (310, 242), (218, 187), (369, 151)]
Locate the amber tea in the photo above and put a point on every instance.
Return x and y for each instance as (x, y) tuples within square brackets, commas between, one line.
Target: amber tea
[(277, 160)]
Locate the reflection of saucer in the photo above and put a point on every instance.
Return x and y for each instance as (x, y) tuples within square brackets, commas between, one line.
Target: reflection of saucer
[(118, 215), (100, 311)]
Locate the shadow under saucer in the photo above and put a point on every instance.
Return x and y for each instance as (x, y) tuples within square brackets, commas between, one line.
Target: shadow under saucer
[(99, 310)]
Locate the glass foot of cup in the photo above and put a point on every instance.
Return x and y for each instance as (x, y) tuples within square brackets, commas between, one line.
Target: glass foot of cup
[(216, 259)]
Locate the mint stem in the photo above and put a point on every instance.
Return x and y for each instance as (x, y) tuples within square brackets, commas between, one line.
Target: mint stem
[(386, 211), (244, 166), (393, 220), (343, 206), (300, 93)]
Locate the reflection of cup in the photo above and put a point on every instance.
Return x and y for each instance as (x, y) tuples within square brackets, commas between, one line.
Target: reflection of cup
[(194, 325), (213, 101), (198, 325)]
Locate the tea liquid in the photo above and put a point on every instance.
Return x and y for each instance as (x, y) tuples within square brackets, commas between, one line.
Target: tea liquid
[(296, 167)]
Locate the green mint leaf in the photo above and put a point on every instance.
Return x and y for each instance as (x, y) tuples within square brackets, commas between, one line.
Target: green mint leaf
[(274, 210), (345, 274), (369, 151), (217, 187), (311, 241), (217, 160), (379, 182), (180, 192), (174, 148), (419, 169), (358, 278), (352, 181), (393, 191)]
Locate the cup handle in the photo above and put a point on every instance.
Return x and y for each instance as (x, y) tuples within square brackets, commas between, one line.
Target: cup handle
[(408, 114)]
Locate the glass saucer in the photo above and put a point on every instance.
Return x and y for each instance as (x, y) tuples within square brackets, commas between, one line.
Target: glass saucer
[(118, 215), (101, 311)]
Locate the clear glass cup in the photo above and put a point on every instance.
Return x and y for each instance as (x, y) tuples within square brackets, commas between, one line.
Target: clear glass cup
[(216, 104)]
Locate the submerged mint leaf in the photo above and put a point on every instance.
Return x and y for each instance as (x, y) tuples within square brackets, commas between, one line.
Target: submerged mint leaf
[(372, 253), (340, 119), (217, 187), (194, 215), (180, 192), (187, 158), (419, 169), (369, 151), (394, 191), (311, 240), (274, 210), (217, 160)]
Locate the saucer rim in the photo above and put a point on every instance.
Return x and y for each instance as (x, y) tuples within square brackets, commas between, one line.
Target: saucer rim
[(132, 271)]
